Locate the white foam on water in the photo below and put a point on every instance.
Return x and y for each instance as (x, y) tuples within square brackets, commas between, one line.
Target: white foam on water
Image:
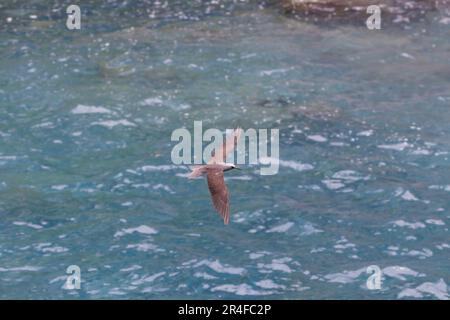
[(7, 158), (131, 268), (295, 165), (408, 196), (19, 269), (204, 275), (255, 230), (339, 144), (275, 265), (317, 138), (348, 176), (269, 284), (422, 254), (137, 185), (366, 133), (150, 278), (153, 101), (257, 255), (154, 277), (345, 276), (113, 123), (333, 184), (55, 249), (298, 166), (396, 146), (183, 175), (141, 229), (83, 109), (249, 55), (188, 263), (116, 292), (58, 279), (197, 235), (437, 222), (274, 71), (443, 246), (421, 152), (144, 247), (46, 124), (344, 246), (409, 293), (440, 187), (281, 228), (407, 55), (59, 187), (400, 272), (181, 107), (411, 225), (309, 229), (220, 268), (163, 187), (164, 167), (241, 178), (313, 187), (241, 290), (27, 224), (437, 289), (445, 20)]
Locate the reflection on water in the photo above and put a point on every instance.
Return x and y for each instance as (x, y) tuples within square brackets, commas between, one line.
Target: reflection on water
[(86, 177)]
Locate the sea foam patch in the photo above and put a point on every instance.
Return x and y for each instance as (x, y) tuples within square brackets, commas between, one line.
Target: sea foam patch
[(395, 146), (27, 224), (281, 228), (437, 289), (295, 165), (221, 268), (84, 109), (241, 290), (317, 138), (113, 123), (143, 229)]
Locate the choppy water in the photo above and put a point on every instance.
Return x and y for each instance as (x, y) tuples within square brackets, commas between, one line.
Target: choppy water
[(86, 177)]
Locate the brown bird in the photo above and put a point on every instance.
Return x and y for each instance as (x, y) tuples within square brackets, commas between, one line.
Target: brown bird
[(214, 170)]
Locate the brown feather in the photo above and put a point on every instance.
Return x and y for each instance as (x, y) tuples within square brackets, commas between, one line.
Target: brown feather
[(219, 193)]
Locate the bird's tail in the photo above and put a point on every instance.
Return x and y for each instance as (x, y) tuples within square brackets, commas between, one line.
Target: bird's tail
[(197, 171)]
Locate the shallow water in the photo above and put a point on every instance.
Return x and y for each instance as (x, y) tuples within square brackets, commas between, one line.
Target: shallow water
[(86, 177)]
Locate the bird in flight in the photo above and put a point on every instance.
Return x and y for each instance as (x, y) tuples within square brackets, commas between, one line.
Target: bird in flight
[(214, 170)]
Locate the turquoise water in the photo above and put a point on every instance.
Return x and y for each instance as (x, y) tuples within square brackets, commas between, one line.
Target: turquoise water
[(86, 177)]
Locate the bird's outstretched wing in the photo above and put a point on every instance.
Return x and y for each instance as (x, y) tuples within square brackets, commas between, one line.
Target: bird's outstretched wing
[(197, 171), (220, 155), (219, 193)]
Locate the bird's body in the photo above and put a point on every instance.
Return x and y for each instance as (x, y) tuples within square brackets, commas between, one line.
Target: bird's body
[(214, 175)]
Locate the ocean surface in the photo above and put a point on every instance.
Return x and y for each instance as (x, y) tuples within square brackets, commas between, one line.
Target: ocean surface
[(86, 176)]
